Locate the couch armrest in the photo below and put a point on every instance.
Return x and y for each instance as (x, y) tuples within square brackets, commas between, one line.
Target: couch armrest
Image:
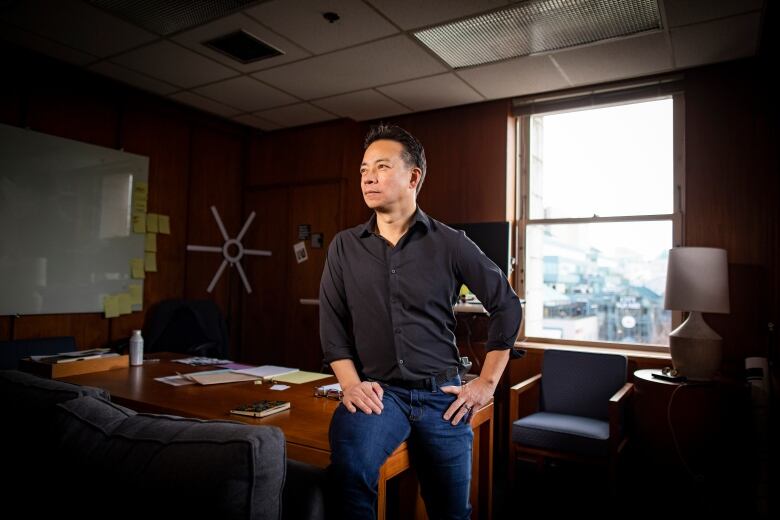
[(617, 406), (530, 387)]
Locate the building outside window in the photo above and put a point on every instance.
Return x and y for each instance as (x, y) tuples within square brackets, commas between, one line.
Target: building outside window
[(600, 191)]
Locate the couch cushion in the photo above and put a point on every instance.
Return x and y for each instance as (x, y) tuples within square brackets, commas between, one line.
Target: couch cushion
[(559, 432), (185, 466)]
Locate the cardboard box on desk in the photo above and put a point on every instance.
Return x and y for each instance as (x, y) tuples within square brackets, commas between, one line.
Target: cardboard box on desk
[(85, 366)]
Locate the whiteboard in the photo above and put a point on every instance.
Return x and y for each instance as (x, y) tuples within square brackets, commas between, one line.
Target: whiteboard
[(66, 235)]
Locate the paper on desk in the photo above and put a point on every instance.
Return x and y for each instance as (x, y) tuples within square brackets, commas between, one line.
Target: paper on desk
[(214, 377), (174, 381), (300, 377), (280, 387), (266, 371)]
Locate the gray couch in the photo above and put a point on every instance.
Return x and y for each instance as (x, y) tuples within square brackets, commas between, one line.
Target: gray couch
[(91, 457)]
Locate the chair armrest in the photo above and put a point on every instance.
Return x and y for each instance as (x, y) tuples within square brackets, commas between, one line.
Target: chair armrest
[(529, 385), (617, 404)]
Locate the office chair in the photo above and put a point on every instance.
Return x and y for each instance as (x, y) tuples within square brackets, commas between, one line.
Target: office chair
[(194, 327), (12, 351), (573, 410)]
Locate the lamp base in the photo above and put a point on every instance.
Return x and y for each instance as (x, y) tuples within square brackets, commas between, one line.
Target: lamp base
[(696, 349)]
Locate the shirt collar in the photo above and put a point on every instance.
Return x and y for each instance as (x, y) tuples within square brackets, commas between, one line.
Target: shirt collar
[(419, 217)]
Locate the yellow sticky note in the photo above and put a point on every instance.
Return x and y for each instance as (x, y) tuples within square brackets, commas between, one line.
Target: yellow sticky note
[(164, 224), (110, 306), (139, 222), (124, 303), (150, 262), (136, 294), (141, 189), (137, 268), (151, 222), (150, 244), (140, 205)]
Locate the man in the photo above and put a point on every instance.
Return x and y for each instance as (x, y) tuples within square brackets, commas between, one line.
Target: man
[(386, 325)]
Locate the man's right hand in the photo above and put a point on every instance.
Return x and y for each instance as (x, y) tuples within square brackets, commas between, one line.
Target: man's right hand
[(366, 395)]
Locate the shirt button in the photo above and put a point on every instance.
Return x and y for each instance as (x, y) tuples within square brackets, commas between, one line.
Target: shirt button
[(400, 361), (392, 271)]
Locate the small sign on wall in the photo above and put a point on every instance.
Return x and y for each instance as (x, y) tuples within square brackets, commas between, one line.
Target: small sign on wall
[(316, 240), (300, 252), (304, 230)]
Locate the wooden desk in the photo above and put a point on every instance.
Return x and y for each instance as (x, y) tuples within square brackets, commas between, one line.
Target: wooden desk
[(305, 425)]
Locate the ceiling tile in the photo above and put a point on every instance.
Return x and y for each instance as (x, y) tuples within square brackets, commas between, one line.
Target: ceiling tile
[(303, 23), (246, 93), (410, 14), (623, 58), (697, 11), (131, 77), (385, 61), (192, 99), (439, 91), (518, 77), (256, 122), (174, 64), (713, 42), (44, 45), (76, 24), (194, 38), (363, 105), (294, 115)]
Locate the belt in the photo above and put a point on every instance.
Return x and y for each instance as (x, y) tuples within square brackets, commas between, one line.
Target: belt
[(429, 383)]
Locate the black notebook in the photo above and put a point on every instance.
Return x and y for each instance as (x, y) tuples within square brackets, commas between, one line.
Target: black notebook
[(261, 408)]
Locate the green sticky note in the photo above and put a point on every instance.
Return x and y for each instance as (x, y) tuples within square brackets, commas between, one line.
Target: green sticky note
[(123, 300), (150, 244), (136, 294), (164, 224), (110, 306), (137, 268), (150, 262), (151, 222)]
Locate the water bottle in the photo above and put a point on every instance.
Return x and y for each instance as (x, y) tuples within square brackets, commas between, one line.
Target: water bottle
[(136, 349)]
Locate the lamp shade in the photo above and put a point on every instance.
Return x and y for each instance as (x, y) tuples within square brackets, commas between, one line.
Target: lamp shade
[(697, 279)]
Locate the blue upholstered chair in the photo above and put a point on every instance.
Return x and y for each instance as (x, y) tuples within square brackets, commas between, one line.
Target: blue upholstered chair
[(573, 410), (12, 351)]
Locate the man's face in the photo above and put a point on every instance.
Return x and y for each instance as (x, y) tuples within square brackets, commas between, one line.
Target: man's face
[(384, 176)]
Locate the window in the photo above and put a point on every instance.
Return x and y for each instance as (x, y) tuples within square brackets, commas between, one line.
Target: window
[(599, 195)]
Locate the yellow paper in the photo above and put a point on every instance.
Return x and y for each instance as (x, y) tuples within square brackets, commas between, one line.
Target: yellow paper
[(299, 377), (150, 244), (141, 188), (151, 222), (164, 224), (140, 205), (123, 300), (136, 294), (137, 268), (110, 306), (150, 262), (139, 222)]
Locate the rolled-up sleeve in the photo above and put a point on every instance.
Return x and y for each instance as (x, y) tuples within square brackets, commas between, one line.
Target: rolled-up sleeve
[(488, 282), (335, 319)]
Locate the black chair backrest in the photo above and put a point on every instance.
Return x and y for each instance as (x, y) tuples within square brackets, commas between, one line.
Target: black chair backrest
[(194, 327), (12, 351)]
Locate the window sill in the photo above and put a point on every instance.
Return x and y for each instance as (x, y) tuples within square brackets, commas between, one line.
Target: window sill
[(626, 351)]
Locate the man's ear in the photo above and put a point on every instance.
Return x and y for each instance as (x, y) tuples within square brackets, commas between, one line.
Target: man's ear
[(415, 178)]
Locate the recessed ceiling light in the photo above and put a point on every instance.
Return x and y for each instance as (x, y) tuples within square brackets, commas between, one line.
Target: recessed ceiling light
[(243, 47)]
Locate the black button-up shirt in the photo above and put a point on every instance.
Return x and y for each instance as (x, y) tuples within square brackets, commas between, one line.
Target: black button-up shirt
[(389, 309)]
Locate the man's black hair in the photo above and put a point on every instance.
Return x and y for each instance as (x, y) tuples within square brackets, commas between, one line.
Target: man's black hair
[(413, 154)]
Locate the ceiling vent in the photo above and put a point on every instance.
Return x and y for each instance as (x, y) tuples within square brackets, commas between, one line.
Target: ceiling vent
[(242, 46), (171, 16), (537, 26)]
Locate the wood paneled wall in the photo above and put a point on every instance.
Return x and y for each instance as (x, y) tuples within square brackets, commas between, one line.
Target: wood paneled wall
[(195, 161)]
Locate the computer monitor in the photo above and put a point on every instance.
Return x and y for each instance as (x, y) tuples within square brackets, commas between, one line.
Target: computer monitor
[(494, 239)]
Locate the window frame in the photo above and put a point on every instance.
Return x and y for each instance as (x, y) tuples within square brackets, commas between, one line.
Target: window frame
[(522, 190)]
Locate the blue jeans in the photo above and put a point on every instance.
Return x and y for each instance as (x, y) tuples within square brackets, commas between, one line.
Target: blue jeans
[(440, 452)]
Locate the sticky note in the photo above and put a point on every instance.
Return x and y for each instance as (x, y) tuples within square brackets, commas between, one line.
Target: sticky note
[(136, 294), (151, 222), (139, 222), (137, 268), (141, 188), (150, 244), (123, 300), (140, 205), (150, 262), (164, 224), (110, 306)]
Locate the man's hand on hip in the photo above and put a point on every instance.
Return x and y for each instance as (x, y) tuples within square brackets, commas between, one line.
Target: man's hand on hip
[(475, 394), (366, 395)]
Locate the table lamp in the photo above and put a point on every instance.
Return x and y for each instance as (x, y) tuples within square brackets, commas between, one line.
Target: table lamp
[(697, 281)]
